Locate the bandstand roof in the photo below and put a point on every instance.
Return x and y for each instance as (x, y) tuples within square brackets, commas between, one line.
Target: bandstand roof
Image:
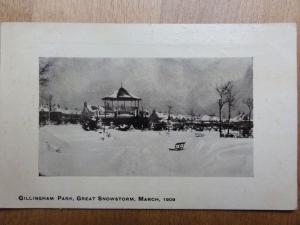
[(121, 95)]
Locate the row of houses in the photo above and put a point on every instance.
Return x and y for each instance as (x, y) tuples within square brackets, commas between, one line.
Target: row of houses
[(65, 115), (58, 115), (157, 119), (196, 119), (122, 107)]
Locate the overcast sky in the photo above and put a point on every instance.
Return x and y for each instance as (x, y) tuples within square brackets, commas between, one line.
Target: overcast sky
[(185, 84)]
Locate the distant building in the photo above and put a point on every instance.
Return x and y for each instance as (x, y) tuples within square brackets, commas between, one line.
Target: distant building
[(154, 118), (89, 111), (121, 104), (58, 115), (209, 118), (240, 117)]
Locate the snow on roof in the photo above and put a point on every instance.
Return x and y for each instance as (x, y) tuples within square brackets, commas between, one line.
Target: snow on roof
[(214, 118), (101, 109), (92, 108), (121, 94), (209, 118), (179, 116), (162, 115), (205, 118), (44, 108), (59, 109), (65, 111), (240, 117), (235, 119)]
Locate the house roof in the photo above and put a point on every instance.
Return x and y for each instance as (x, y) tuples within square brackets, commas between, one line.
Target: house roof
[(121, 94), (92, 108), (205, 118), (240, 117), (209, 118), (44, 109)]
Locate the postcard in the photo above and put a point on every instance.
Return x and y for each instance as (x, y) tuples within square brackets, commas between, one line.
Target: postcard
[(148, 116)]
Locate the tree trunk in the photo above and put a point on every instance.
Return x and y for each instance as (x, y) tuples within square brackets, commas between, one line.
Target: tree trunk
[(250, 113), (220, 120), (229, 115), (50, 107)]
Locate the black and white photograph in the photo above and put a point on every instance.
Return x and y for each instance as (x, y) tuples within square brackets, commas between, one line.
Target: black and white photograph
[(189, 117), (148, 116)]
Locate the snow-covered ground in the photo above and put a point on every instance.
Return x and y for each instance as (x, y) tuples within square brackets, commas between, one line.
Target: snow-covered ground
[(68, 150)]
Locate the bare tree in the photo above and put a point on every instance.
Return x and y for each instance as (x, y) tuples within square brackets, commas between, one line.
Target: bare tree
[(169, 111), (44, 68), (192, 113), (221, 91), (50, 106), (249, 103), (230, 97), (169, 117), (46, 75)]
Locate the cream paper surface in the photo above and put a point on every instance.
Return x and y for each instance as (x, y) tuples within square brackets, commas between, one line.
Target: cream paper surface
[(273, 48)]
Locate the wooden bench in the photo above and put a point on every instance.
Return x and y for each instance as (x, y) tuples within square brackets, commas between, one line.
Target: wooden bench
[(178, 146)]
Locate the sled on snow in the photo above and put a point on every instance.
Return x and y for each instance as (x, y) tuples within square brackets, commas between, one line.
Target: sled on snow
[(178, 146)]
